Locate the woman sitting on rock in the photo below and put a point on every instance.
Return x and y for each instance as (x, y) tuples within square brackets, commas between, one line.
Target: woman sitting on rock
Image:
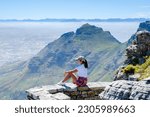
[(81, 78)]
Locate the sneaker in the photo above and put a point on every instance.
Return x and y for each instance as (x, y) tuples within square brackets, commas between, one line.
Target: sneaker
[(61, 83)]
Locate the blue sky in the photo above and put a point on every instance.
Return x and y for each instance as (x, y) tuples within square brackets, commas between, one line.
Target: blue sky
[(40, 9)]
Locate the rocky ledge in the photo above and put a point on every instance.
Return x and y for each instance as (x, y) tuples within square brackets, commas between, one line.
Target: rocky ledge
[(67, 92), (117, 90)]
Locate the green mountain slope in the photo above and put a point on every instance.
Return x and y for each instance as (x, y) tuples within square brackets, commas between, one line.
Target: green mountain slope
[(103, 52)]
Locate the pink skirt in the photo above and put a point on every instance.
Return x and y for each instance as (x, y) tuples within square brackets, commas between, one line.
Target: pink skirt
[(81, 81)]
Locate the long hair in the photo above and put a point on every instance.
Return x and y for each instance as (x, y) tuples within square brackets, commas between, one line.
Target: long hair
[(85, 63)]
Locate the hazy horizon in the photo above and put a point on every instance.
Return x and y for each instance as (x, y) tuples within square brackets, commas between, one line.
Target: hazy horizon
[(76, 18), (23, 40)]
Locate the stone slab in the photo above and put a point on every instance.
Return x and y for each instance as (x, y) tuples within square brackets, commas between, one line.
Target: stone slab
[(61, 96)]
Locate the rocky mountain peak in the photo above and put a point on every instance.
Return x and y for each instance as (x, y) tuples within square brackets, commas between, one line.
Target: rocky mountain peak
[(86, 25), (91, 32), (59, 53), (144, 26), (88, 29)]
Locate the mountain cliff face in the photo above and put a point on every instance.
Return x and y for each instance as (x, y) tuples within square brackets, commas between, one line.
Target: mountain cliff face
[(137, 64), (133, 78)]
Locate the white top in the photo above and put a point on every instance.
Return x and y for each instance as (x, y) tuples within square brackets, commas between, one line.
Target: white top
[(82, 71)]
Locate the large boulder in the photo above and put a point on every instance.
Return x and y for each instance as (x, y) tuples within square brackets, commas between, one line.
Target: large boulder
[(127, 90), (140, 47)]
